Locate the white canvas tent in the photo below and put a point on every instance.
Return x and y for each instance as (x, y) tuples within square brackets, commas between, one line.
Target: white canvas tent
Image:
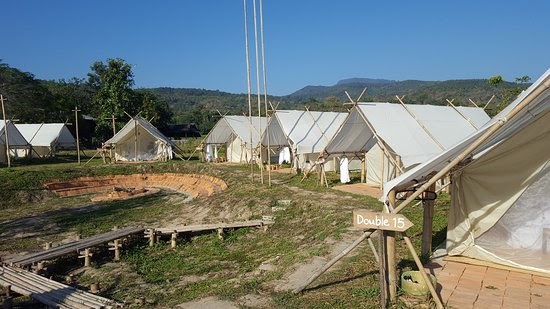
[(139, 140), (235, 133), (47, 138), (306, 133), (16, 141), (395, 137), (500, 207)]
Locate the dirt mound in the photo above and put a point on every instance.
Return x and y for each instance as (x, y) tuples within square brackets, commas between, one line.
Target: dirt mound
[(193, 184)]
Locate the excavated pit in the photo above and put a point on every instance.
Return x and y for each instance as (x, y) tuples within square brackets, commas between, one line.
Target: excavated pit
[(115, 187)]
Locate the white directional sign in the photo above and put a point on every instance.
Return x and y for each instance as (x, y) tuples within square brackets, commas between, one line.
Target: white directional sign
[(381, 221)]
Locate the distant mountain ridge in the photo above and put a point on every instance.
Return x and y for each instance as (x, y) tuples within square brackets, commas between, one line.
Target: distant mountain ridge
[(358, 80), (415, 91)]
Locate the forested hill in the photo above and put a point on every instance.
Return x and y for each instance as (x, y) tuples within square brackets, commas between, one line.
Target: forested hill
[(415, 92), (188, 103)]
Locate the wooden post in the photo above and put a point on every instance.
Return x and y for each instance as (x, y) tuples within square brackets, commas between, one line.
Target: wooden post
[(382, 270), (94, 288), (427, 225), (6, 131), (76, 110), (173, 240), (39, 267), (116, 248), (391, 265), (150, 234), (114, 127), (363, 169), (87, 257)]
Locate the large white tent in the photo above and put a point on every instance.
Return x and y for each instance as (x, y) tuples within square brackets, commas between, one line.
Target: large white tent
[(306, 133), (500, 207), (235, 133), (47, 138), (139, 140), (392, 138), (16, 141)]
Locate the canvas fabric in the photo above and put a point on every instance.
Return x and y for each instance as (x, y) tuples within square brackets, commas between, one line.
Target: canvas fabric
[(504, 196), (139, 140)]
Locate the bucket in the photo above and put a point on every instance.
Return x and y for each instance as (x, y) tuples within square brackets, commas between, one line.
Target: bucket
[(412, 283)]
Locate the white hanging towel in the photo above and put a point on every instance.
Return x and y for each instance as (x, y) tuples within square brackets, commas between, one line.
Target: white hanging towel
[(344, 172), (208, 153), (284, 155)]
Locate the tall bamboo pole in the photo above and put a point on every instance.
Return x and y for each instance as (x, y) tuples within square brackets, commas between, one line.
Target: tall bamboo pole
[(6, 131), (265, 93), (258, 91), (249, 91)]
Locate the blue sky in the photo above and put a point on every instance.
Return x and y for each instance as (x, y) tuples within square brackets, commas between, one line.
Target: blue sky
[(200, 43)]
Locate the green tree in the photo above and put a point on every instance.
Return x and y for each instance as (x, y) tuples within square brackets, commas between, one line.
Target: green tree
[(153, 108), (113, 83), (27, 99), (523, 80), (506, 95), (68, 94)]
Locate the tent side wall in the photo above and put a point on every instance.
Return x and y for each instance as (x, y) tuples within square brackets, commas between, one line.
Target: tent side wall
[(490, 217)]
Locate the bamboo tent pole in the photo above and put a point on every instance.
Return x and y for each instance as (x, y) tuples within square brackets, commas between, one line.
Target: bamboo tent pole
[(472, 101), (419, 123), (461, 114), (487, 104)]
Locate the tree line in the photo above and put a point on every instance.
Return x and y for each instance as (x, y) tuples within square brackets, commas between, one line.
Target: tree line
[(107, 92)]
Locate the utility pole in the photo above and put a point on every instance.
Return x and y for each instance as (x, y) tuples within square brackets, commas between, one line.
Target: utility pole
[(112, 118), (6, 131), (76, 110)]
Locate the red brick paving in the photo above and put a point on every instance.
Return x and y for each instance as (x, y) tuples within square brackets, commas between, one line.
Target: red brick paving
[(462, 285)]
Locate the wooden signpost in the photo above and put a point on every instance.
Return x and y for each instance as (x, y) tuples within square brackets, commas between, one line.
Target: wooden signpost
[(380, 221)]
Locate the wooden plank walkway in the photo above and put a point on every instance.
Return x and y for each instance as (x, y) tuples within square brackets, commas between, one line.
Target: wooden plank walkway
[(73, 247), (49, 292), (215, 226)]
